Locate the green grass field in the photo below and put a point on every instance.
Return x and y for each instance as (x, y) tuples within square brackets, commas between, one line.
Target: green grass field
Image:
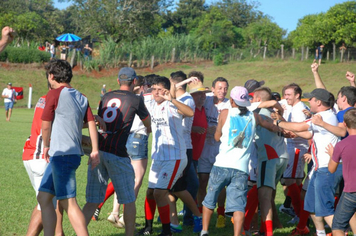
[(17, 197)]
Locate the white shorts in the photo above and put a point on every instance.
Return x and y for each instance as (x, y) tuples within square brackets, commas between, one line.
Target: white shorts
[(296, 163), (164, 174), (35, 169), (207, 158)]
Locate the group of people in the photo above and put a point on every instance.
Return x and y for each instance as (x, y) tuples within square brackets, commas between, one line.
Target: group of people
[(206, 150)]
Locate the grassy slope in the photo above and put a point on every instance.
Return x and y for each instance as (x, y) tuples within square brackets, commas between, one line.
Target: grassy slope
[(17, 196)]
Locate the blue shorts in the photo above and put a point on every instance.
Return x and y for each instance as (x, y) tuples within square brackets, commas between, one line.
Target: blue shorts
[(319, 198), (59, 177), (236, 191), (137, 146), (345, 209), (9, 105), (121, 173)]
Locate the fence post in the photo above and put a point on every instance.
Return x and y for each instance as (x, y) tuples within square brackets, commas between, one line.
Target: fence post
[(327, 55), (334, 51), (302, 58), (264, 51), (73, 58), (277, 56), (348, 55), (306, 53), (152, 62), (342, 55), (282, 52), (293, 53), (130, 60), (173, 55)]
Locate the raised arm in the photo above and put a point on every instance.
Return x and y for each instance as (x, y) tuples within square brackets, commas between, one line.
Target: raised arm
[(7, 35), (318, 82), (351, 78)]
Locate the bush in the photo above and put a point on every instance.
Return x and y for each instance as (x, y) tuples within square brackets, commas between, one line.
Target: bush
[(24, 55), (218, 59)]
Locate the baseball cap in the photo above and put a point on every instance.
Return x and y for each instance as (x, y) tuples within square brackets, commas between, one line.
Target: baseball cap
[(240, 96), (9, 84), (127, 74), (320, 94), (252, 84)]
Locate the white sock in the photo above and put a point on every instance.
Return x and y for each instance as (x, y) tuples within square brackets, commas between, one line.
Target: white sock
[(204, 232), (320, 232)]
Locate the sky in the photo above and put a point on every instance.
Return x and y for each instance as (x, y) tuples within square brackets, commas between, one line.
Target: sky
[(285, 13)]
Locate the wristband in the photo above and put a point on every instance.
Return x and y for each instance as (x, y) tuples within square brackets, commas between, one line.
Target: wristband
[(278, 121)]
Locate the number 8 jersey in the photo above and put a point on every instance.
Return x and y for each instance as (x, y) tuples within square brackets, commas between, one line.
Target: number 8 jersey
[(118, 109)]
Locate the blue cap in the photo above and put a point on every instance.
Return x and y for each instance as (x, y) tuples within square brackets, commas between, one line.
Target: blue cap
[(127, 74)]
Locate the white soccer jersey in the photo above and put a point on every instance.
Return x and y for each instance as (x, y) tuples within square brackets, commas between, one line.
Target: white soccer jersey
[(296, 114), (212, 112), (188, 100), (137, 125), (167, 132), (322, 138)]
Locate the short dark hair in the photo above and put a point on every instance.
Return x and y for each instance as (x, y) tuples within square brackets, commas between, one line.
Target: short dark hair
[(161, 80), (350, 93), (179, 76), (220, 79), (197, 74), (350, 118), (295, 87), (267, 92), (140, 80), (149, 79), (60, 69)]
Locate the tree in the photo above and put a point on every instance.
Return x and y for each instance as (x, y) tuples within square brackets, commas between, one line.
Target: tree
[(240, 12)]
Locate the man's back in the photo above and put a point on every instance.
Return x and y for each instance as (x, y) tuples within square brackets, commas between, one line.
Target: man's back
[(118, 109)]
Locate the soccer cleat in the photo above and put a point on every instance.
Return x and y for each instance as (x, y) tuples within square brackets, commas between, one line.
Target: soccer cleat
[(294, 220), (287, 210), (145, 231), (95, 216), (220, 222), (198, 224), (112, 219), (176, 228), (296, 231)]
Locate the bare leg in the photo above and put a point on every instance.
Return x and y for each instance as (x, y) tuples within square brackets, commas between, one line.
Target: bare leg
[(139, 167), (329, 220), (35, 227), (238, 222), (222, 197), (88, 211), (59, 225), (265, 197), (189, 201), (353, 224), (276, 222), (129, 218), (9, 114), (75, 215), (207, 213), (173, 209), (49, 217), (318, 222), (203, 183)]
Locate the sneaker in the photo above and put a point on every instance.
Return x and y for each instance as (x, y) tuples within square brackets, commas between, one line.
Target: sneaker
[(198, 224), (181, 213), (176, 228), (294, 220), (145, 231), (289, 211), (95, 217), (220, 222), (296, 231), (112, 219), (204, 235), (121, 220)]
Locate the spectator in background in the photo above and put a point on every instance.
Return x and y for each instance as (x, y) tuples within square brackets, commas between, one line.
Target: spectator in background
[(103, 91), (319, 53), (52, 50), (7, 35), (64, 49), (9, 95), (87, 52)]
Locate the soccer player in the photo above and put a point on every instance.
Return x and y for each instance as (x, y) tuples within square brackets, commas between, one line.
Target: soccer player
[(319, 199), (215, 102), (117, 108), (62, 122), (168, 151)]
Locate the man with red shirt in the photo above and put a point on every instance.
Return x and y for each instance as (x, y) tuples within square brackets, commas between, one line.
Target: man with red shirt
[(62, 123)]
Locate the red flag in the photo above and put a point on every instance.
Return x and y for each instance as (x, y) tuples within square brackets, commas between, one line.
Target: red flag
[(19, 92)]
